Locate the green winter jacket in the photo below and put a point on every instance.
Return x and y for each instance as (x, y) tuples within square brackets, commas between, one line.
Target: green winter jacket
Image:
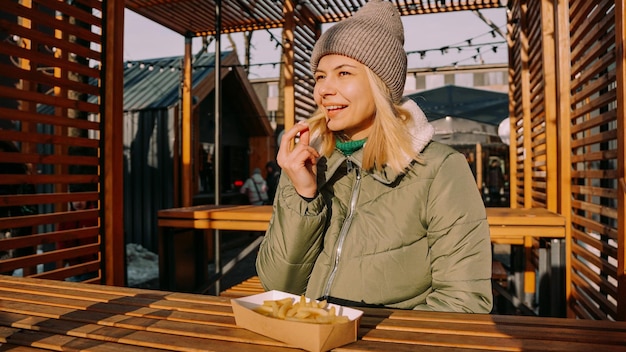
[(416, 240)]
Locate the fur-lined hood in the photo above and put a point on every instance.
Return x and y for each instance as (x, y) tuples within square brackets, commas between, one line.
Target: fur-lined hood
[(420, 130)]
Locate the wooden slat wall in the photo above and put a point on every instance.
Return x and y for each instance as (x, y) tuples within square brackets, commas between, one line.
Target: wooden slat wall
[(593, 157), (573, 67), (533, 114), (49, 104)]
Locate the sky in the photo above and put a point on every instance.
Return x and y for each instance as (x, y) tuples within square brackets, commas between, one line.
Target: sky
[(470, 41)]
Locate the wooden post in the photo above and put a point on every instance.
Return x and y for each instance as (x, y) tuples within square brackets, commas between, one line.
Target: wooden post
[(563, 135), (620, 51), (288, 64), (186, 126), (112, 144)]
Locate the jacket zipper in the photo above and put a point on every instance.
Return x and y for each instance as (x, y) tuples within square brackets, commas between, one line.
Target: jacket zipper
[(344, 227)]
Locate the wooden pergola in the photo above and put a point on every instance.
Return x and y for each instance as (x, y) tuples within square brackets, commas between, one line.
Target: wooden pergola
[(566, 96)]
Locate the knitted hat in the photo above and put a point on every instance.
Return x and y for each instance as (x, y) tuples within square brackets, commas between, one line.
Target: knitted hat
[(374, 36)]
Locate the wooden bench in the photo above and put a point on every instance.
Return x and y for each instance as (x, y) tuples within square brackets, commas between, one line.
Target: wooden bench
[(251, 286)]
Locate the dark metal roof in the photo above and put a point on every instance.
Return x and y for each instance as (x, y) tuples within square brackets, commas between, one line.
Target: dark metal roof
[(197, 17), (155, 83), (469, 103)]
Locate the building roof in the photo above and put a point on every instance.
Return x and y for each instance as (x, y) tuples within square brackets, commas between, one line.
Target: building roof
[(469, 103), (155, 84)]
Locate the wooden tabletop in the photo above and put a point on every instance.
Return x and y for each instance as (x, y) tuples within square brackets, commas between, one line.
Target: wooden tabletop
[(507, 225), (522, 216), (513, 225), (46, 315)]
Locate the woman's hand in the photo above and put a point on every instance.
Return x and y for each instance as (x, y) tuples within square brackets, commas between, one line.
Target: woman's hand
[(299, 162)]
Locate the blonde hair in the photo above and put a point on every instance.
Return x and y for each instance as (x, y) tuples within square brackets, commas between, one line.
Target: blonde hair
[(389, 142)]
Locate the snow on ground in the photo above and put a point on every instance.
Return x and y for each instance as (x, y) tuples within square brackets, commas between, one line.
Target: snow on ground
[(141, 265)]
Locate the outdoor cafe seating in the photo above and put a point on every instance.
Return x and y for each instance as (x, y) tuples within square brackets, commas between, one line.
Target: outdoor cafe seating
[(62, 108)]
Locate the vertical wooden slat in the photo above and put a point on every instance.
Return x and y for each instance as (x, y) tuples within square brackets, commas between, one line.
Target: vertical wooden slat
[(550, 101), (620, 39), (112, 107), (288, 63), (26, 85), (563, 133), (514, 84), (186, 129), (525, 102)]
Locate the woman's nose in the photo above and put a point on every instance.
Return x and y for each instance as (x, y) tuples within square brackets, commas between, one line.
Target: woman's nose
[(325, 88)]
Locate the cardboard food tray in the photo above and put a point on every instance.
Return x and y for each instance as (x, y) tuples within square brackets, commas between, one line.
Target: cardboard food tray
[(309, 336)]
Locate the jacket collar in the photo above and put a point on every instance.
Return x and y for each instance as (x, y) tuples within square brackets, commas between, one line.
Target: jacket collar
[(420, 130)]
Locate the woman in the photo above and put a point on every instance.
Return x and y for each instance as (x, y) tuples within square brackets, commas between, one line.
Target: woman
[(370, 211)]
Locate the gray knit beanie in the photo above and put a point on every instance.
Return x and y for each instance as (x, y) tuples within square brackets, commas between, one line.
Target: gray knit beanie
[(374, 36)]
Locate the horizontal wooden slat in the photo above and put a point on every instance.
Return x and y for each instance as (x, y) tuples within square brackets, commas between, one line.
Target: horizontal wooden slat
[(42, 98)]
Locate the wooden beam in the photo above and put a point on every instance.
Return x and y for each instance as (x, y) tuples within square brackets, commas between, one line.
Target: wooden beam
[(563, 135), (288, 64), (186, 127), (112, 146), (550, 101)]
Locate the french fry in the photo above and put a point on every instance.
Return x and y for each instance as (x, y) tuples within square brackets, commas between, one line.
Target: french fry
[(301, 311)]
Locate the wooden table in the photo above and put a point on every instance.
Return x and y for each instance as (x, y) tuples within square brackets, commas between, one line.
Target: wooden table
[(183, 260), (519, 225), (46, 315), (220, 217), (507, 225), (513, 226)]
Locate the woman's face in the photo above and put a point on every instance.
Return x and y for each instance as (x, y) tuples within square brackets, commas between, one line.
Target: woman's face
[(343, 92)]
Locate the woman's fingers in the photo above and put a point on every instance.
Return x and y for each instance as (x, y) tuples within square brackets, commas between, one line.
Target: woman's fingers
[(305, 136), (287, 154), (299, 162), (289, 136)]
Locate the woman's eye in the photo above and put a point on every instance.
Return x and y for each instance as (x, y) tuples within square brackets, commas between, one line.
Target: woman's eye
[(344, 73), (319, 77)]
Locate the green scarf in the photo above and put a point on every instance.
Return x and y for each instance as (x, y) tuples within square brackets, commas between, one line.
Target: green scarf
[(349, 147)]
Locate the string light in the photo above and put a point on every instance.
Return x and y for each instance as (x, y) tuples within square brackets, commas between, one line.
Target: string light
[(459, 48), (467, 43), (475, 57), (161, 68)]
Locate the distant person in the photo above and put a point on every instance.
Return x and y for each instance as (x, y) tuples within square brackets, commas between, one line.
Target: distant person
[(255, 188), (206, 170), (495, 182), (369, 210), (273, 175)]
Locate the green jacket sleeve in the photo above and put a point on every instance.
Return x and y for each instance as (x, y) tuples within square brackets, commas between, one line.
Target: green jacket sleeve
[(458, 235), (292, 242)]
